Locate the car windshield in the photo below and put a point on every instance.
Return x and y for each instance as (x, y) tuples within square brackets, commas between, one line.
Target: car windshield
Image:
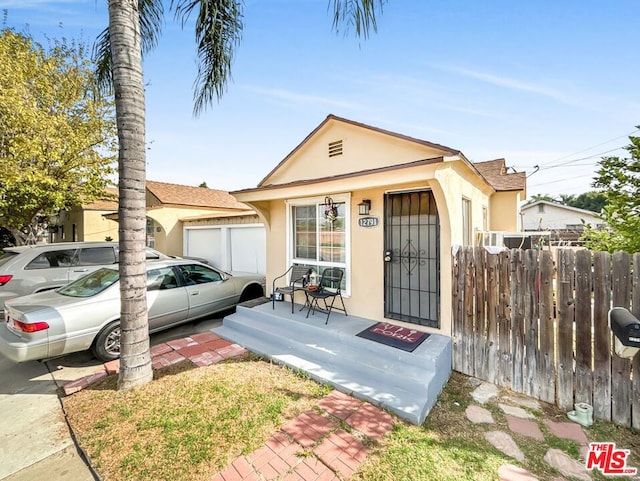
[(91, 284)]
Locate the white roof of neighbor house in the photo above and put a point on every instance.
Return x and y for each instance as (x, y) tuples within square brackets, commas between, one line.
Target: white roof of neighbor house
[(560, 206)]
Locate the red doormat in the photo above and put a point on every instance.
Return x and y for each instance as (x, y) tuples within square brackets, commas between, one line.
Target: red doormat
[(394, 336)]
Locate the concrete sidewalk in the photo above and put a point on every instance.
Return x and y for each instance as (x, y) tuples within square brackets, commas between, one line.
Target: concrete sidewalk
[(36, 441)]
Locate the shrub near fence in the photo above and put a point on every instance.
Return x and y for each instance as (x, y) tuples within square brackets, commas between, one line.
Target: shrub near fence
[(539, 326)]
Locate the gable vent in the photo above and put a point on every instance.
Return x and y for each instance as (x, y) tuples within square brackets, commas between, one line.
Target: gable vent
[(335, 148)]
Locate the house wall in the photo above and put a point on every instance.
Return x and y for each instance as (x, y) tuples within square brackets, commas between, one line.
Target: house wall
[(96, 227), (555, 217), (308, 173), (90, 226), (448, 182), (503, 212), (360, 152), (170, 238)]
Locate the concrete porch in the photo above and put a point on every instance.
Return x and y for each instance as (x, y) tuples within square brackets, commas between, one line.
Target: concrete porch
[(405, 383)]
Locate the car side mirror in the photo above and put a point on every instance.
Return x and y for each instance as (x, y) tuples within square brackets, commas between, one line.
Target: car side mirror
[(626, 332)]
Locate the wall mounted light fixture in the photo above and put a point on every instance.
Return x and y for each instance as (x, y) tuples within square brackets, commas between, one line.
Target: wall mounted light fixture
[(364, 207)]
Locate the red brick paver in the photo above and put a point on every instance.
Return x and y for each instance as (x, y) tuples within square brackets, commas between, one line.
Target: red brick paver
[(339, 404), (371, 421), (312, 447), (180, 343), (308, 428)]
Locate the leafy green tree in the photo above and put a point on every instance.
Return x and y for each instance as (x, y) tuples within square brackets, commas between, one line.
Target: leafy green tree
[(538, 197), (619, 179), (57, 135), (593, 201), (134, 26)]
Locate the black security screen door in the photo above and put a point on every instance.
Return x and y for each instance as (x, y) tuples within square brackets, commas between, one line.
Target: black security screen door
[(412, 258)]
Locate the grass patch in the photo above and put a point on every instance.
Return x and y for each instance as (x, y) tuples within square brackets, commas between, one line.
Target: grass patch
[(187, 425)]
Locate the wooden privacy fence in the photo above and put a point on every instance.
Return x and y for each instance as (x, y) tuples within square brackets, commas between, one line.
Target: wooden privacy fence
[(538, 325)]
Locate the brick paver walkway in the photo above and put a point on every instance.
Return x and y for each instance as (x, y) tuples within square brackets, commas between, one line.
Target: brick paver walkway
[(314, 446), (201, 349)]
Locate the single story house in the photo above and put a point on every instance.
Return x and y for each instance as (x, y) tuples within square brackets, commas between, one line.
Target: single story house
[(387, 210), (181, 220), (565, 224)]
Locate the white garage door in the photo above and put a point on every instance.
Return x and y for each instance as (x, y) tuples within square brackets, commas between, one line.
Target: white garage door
[(205, 243), (232, 248), (248, 249)]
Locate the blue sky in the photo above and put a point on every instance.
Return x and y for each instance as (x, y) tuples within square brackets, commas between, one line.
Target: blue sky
[(547, 83)]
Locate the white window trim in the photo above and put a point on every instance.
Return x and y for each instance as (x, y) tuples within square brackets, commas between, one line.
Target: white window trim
[(337, 198)]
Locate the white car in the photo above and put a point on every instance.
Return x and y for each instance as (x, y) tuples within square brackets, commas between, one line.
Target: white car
[(85, 313)]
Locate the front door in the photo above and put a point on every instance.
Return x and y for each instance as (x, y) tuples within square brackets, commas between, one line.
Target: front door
[(412, 258)]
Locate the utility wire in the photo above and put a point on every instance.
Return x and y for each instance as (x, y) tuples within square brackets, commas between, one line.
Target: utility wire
[(590, 148)]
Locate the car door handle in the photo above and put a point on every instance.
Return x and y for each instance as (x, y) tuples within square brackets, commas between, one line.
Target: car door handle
[(195, 293), (80, 270)]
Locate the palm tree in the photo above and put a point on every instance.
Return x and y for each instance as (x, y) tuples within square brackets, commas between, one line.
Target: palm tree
[(134, 26)]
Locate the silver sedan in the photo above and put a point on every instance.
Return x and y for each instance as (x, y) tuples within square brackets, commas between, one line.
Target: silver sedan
[(85, 314)]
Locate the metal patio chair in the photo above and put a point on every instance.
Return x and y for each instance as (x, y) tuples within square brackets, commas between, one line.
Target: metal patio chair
[(298, 281), (328, 288)]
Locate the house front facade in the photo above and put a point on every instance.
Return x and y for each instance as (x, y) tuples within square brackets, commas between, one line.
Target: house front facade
[(387, 210)]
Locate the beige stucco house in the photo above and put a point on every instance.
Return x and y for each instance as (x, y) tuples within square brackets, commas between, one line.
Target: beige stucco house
[(401, 204), (169, 206)]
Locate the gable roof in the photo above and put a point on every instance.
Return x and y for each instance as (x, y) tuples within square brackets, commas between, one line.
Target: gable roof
[(334, 118), (193, 196), (106, 202), (495, 173), (560, 206)]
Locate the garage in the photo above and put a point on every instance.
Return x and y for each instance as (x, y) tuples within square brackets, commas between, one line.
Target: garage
[(232, 247)]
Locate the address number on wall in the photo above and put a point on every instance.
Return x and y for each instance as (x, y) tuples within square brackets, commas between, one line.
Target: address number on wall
[(368, 221)]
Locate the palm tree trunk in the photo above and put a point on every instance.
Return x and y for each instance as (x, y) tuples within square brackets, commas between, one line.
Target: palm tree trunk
[(124, 30)]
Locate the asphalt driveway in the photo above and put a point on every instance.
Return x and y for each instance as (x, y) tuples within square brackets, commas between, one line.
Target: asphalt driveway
[(36, 441)]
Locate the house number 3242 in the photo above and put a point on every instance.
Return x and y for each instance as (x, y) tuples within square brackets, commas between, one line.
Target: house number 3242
[(368, 221)]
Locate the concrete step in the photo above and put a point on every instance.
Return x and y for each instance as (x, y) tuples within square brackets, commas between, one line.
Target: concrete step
[(406, 383)]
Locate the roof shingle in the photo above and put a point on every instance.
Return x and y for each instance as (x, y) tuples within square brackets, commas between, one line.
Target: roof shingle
[(495, 173), (193, 196)]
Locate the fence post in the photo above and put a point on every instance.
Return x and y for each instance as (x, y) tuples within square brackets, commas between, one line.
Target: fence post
[(517, 318), (531, 293), (602, 340), (492, 319), (584, 380), (458, 307), (504, 320), (621, 368), (546, 378), (467, 323), (565, 308), (635, 363), (480, 331)]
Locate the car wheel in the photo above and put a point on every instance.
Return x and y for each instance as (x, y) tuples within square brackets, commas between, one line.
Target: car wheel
[(106, 346), (252, 291)]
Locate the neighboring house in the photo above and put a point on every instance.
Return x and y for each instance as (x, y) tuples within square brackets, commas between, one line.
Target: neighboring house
[(87, 222), (566, 224), (170, 207), (399, 205)]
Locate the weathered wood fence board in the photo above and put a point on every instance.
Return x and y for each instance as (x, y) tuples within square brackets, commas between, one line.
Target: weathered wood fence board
[(539, 326)]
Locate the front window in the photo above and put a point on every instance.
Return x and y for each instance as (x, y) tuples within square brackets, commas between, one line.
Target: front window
[(466, 222), (319, 234)]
